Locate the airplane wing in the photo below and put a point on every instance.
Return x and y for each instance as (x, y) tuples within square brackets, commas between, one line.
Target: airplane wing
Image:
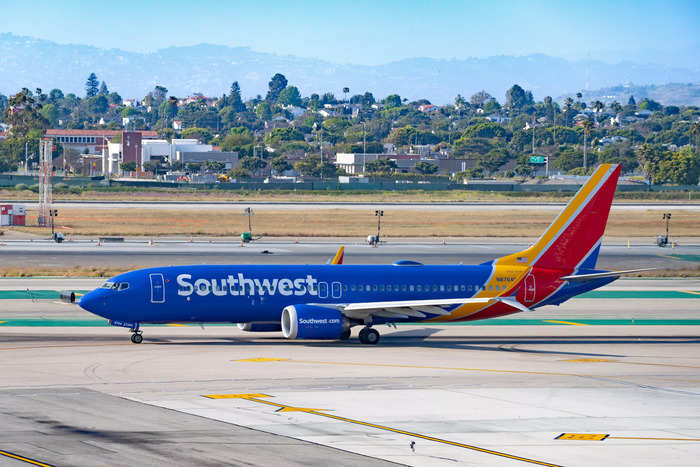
[(338, 258), (598, 275), (404, 309)]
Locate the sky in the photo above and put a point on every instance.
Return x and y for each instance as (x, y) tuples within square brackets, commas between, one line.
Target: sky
[(380, 31)]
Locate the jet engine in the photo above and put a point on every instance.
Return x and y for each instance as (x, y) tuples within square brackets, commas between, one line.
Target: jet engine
[(314, 322)]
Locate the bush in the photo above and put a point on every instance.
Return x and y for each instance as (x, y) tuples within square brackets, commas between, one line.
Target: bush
[(21, 187), (76, 190), (34, 188), (60, 187)]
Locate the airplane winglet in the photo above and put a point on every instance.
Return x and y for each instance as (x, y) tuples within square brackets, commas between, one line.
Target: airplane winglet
[(600, 275), (338, 258)]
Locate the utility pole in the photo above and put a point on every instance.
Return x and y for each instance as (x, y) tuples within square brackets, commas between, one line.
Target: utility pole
[(26, 157), (533, 134), (364, 149)]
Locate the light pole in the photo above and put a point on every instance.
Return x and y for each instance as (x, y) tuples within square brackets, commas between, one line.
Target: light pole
[(379, 213)]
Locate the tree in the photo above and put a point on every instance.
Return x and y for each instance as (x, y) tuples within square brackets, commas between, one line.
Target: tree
[(631, 102), (128, 166), (392, 100), (252, 164), (91, 85), (650, 157), (238, 173), (682, 167), (55, 95), (98, 104), (492, 160), (290, 96), (478, 99), (103, 89), (346, 90), (214, 166), (275, 87), (695, 131), (234, 97), (168, 109), (587, 125), (425, 168), (201, 134), (517, 97), (50, 113), (263, 111), (280, 164), (381, 166), (25, 114), (159, 94)]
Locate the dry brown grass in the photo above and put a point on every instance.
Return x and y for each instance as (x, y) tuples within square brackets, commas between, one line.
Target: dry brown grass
[(348, 223), (76, 271)]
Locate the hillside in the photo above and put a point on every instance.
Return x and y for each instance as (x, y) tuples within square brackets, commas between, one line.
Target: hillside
[(210, 69)]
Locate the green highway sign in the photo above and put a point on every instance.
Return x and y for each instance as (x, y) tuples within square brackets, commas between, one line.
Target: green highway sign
[(536, 159)]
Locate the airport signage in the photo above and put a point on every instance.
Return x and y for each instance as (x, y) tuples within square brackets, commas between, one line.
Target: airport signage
[(536, 159)]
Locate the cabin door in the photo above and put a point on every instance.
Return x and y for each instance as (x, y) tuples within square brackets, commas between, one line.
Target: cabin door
[(529, 288), (157, 288)]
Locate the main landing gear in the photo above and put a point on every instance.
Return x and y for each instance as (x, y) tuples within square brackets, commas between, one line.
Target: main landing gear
[(345, 335), (369, 336)]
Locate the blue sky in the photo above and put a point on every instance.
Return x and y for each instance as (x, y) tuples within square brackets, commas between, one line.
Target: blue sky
[(375, 32)]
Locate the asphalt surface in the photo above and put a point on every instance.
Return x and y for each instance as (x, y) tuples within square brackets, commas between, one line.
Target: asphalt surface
[(139, 253), (276, 205)]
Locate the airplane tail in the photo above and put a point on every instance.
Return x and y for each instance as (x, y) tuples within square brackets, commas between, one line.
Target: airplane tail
[(573, 240)]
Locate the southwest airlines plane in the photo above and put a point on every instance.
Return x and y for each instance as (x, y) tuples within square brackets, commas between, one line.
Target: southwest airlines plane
[(326, 301)]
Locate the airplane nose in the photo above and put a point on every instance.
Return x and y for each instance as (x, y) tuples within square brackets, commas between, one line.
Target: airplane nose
[(91, 302)]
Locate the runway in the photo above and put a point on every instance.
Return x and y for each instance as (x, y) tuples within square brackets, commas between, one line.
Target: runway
[(411, 206), (141, 253), (604, 379)]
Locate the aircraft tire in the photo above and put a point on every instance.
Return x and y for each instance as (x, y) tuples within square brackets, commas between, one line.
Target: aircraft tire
[(369, 336), (345, 335), (136, 338)]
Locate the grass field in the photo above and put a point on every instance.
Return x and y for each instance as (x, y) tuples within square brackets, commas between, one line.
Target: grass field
[(293, 222)]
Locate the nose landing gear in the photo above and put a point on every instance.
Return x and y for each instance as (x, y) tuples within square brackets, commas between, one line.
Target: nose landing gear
[(369, 336), (136, 337)]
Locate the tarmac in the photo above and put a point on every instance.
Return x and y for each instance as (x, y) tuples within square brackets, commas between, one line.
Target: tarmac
[(145, 252), (609, 378)]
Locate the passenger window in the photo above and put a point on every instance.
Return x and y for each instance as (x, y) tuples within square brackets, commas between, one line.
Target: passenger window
[(435, 288), (442, 288), (462, 288), (403, 287), (368, 287), (396, 287), (411, 288), (449, 288), (352, 287), (374, 287), (345, 287), (490, 288), (419, 288)]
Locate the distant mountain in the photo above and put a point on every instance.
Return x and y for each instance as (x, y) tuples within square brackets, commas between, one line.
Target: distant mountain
[(210, 69), (666, 94)]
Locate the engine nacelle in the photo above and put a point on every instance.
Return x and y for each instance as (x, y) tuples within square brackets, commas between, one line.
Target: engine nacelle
[(67, 296), (313, 322), (261, 326)]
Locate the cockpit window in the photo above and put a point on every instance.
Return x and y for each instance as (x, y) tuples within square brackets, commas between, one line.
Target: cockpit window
[(109, 285), (123, 286)]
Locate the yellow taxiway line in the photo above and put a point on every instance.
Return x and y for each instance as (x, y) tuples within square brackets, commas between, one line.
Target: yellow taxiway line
[(420, 367), (691, 292), (319, 412), (603, 437), (24, 459), (564, 322)]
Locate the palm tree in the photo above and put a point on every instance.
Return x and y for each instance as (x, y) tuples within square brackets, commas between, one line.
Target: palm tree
[(587, 125), (568, 104), (598, 107)]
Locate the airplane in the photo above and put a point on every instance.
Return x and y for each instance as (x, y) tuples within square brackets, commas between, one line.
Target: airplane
[(326, 301)]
